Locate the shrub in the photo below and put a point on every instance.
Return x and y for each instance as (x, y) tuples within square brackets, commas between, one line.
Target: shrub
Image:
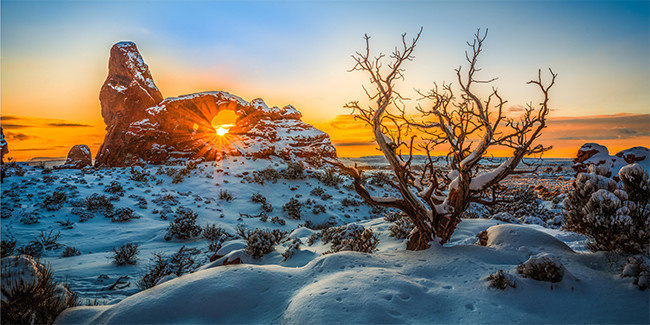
[(638, 269), (279, 221), (29, 293), (318, 208), (98, 203), (54, 201), (121, 215), (29, 217), (33, 248), (184, 225), (216, 236), (83, 214), (616, 217), (317, 191), (401, 228), (350, 203), (181, 262), (260, 241), (381, 179), (266, 175), (293, 248), (501, 280), (225, 195), (543, 267), (292, 208), (140, 175), (350, 237), (166, 199), (258, 198), (48, 241), (114, 188), (125, 254), (294, 170), (70, 251), (330, 177), (7, 247)]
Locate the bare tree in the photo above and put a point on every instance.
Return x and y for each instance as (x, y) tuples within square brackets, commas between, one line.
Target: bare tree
[(455, 119)]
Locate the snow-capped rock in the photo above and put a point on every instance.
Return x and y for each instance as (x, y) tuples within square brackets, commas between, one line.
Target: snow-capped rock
[(78, 157), (144, 128), (598, 155)]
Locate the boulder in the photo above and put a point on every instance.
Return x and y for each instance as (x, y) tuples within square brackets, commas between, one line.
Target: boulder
[(598, 155), (143, 128), (78, 157)]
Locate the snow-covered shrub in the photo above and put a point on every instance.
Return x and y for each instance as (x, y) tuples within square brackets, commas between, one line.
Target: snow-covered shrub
[(261, 241), (293, 248), (616, 216), (7, 247), (266, 175), (522, 206), (292, 208), (125, 254), (318, 208), (543, 267), (29, 293), (142, 202), (294, 170), (98, 203), (114, 188), (33, 248), (166, 199), (48, 241), (225, 195), (350, 203), (84, 215), (54, 201), (216, 236), (258, 198), (401, 228), (121, 215), (381, 179), (638, 268), (140, 175), (70, 251), (29, 217), (329, 177), (184, 225), (181, 262), (317, 191), (350, 237), (279, 221), (501, 280)]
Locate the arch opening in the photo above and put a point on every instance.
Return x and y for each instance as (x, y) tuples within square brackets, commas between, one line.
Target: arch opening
[(223, 121)]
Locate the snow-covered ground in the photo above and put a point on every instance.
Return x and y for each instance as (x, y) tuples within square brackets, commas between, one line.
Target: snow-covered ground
[(439, 285)]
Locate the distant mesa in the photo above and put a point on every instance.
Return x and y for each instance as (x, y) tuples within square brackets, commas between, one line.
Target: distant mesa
[(78, 157), (596, 154), (142, 127)]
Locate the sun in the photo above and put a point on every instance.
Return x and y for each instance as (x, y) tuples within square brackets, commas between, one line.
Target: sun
[(221, 131)]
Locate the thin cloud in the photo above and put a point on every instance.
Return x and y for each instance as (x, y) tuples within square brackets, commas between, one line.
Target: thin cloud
[(18, 136), (9, 118), (353, 143), (11, 126), (39, 149), (66, 125)]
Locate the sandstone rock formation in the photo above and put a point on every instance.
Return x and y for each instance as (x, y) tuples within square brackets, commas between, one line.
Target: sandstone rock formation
[(4, 146), (78, 157), (144, 128)]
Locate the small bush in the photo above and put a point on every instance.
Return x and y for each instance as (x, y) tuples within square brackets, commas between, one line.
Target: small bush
[(121, 215), (54, 201), (266, 175), (292, 208), (293, 248), (330, 178), (225, 195), (350, 237), (401, 228), (114, 188), (184, 225), (166, 199), (98, 203), (501, 280), (7, 247), (70, 251), (546, 268), (33, 248), (381, 179), (30, 217), (317, 191), (84, 215), (29, 293), (260, 241), (258, 198), (181, 262), (279, 221), (48, 241), (294, 170), (350, 203), (318, 208), (125, 254), (140, 175), (216, 236), (638, 269)]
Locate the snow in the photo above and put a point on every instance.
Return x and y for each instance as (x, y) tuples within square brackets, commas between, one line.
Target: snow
[(18, 272), (439, 285)]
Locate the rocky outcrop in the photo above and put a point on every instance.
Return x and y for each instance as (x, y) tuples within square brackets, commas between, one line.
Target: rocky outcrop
[(78, 157), (598, 155), (4, 146), (143, 128)]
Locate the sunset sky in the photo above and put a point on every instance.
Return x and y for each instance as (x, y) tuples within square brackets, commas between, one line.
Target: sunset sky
[(54, 59)]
